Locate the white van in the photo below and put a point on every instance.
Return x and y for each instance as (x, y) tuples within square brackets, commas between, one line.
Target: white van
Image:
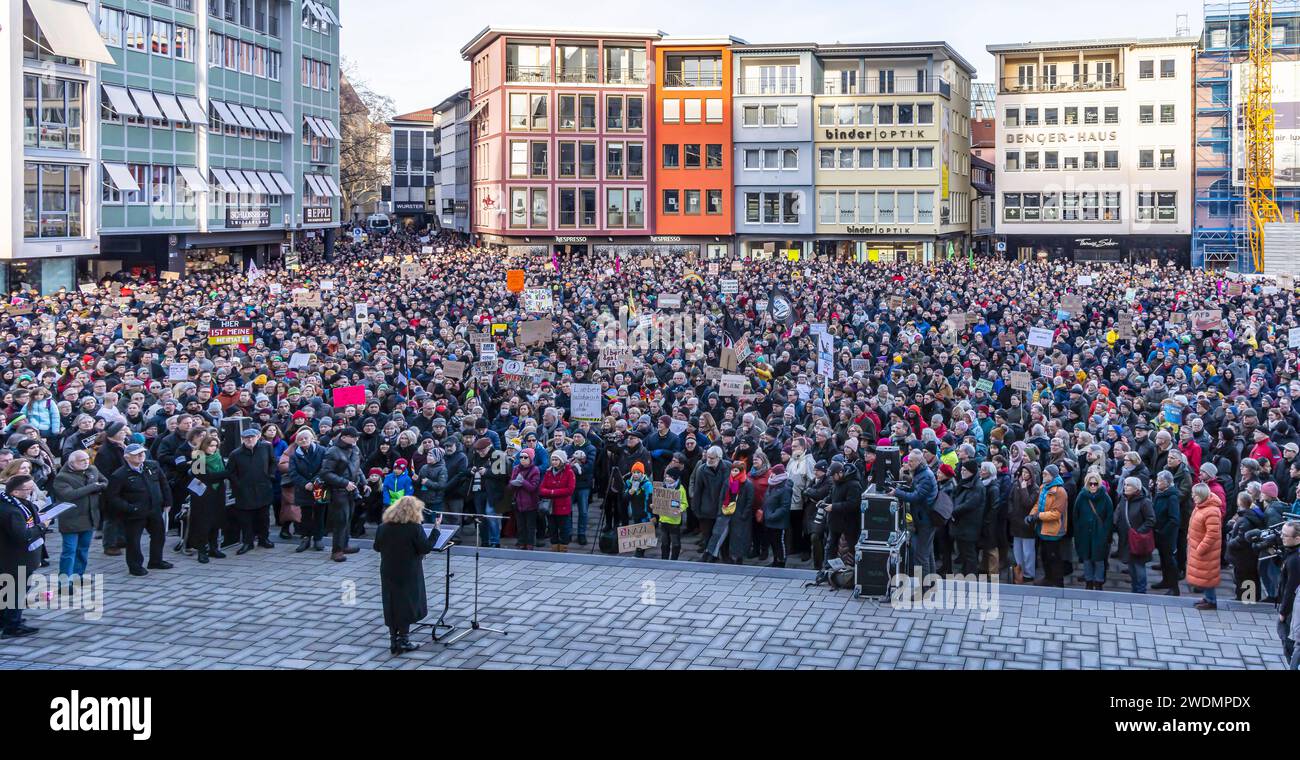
[(378, 224)]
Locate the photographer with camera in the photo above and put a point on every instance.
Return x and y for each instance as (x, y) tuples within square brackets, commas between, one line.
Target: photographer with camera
[(920, 498), (1242, 555), (1288, 622)]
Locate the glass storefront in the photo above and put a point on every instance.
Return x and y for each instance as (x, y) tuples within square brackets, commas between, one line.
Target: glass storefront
[(43, 276), (873, 251), (207, 259)]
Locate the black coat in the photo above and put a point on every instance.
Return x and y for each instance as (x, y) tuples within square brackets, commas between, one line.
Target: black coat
[(708, 484), (252, 476), (20, 525), (846, 508), (135, 495), (401, 548), (339, 467), (967, 510)]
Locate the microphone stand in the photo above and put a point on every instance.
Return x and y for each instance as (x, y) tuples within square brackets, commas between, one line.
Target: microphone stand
[(441, 622), (474, 624)]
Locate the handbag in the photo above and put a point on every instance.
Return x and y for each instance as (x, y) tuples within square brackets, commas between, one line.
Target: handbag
[(544, 506), (1139, 544), (729, 508)]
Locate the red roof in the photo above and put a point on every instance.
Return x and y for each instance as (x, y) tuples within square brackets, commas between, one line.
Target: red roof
[(983, 133), (425, 115)]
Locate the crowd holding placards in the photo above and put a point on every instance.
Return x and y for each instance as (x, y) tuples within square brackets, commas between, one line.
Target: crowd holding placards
[(1053, 429)]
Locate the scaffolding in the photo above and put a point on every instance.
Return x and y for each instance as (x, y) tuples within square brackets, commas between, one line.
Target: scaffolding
[(1221, 236)]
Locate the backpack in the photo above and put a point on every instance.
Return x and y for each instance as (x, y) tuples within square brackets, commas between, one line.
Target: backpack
[(941, 510)]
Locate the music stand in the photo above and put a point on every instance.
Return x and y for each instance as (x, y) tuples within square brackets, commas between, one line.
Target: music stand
[(441, 622), (474, 624)]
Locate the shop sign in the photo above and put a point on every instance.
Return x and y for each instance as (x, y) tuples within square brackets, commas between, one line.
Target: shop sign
[(1096, 243), (408, 207), (240, 218), (571, 239), (1058, 138), (875, 135), (665, 238), (885, 230), (318, 215)]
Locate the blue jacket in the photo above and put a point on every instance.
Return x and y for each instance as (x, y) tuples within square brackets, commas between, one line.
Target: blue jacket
[(920, 497), (396, 486)]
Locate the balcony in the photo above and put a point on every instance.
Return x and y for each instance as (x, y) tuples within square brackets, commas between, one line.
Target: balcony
[(625, 77), (580, 76), (679, 79), (1010, 85), (874, 85), (770, 86), (526, 74)]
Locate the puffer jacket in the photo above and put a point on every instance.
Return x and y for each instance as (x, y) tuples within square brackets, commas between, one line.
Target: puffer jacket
[(559, 487), (1204, 542), (526, 494)]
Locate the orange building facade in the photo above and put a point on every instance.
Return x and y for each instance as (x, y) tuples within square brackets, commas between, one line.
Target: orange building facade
[(693, 155)]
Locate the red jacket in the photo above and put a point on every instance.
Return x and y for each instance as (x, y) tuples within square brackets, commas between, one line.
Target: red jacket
[(558, 487), (1192, 453)]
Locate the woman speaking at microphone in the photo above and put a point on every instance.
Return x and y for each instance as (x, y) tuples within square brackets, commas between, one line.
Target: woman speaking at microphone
[(402, 544)]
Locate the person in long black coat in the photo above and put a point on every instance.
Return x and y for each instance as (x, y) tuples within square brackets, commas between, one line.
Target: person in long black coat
[(21, 527), (251, 471), (402, 544), (207, 510)]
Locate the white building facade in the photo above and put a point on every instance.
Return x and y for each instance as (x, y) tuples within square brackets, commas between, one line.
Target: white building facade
[(1095, 142), (453, 174)]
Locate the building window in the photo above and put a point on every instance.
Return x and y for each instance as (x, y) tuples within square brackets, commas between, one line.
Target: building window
[(540, 207), (1146, 114), (538, 162), (1090, 159), (1051, 160), (1146, 69), (1146, 159), (790, 158), (1167, 158), (1013, 161), (614, 207), (568, 164), (52, 113), (1013, 117), (1166, 207), (1110, 114), (692, 108), (1031, 161), (693, 71), (692, 201), (1031, 117), (1071, 116), (1168, 69), (692, 153), (518, 110), (749, 116), (587, 112), (1111, 158), (1051, 117), (613, 160), (713, 202), (635, 113), (672, 110), (587, 210), (1011, 207), (672, 156), (635, 161), (52, 200), (135, 34), (614, 112), (752, 208), (1090, 114), (184, 46), (672, 202), (587, 160), (624, 65), (518, 207), (568, 206), (713, 110), (713, 157), (826, 207), (1167, 113), (110, 26), (160, 41)]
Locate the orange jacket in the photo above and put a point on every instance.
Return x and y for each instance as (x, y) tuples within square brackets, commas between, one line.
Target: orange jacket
[(1053, 518), (1204, 533)]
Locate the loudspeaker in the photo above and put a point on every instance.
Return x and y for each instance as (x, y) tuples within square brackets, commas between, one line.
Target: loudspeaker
[(888, 466), (880, 517), (872, 573), (608, 541), (231, 429)]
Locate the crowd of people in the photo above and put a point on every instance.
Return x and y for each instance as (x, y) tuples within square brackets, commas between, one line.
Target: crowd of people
[(1056, 423)]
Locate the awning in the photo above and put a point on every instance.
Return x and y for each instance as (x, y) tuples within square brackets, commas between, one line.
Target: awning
[(333, 19), (121, 100), (314, 125), (252, 179), (69, 30), (223, 112), (316, 187), (145, 102), (224, 181), (330, 129), (285, 187), (475, 110), (266, 179), (193, 178), (192, 109), (282, 122), (317, 11), (241, 117), (242, 184), (170, 107), (121, 177), (333, 186)]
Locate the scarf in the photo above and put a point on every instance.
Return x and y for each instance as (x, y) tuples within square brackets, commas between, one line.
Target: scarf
[(1042, 495), (733, 485), (215, 464)]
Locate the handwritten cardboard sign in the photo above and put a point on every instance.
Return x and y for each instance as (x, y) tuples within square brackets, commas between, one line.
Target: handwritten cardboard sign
[(666, 501), (454, 370), (638, 536), (1020, 381), (731, 385), (536, 332)]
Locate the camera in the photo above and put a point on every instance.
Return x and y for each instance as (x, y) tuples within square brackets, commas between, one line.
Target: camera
[(1265, 541)]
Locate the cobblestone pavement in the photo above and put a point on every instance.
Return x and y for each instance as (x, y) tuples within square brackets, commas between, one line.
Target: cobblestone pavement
[(277, 609)]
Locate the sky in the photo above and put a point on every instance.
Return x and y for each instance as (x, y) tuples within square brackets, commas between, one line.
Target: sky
[(409, 50)]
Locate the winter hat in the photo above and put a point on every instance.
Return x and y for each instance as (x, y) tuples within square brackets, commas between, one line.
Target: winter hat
[(947, 471), (638, 467), (376, 471), (402, 463), (1269, 489)]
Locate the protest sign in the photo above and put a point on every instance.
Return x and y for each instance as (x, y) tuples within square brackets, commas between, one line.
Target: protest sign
[(484, 368), (860, 365), (1236, 289), (984, 385), (670, 300), (1020, 381), (512, 367), (168, 275), (584, 402), (713, 268), (537, 300), (412, 271), (487, 352), (1072, 304), (299, 360), (713, 374), (176, 372), (760, 305), (535, 332), (454, 370), (515, 280), (1207, 319), (729, 287), (666, 502), (727, 360), (89, 287), (306, 299), (230, 332), (731, 385), (350, 395), (1293, 337), (614, 357), (362, 312), (737, 266), (1041, 337), (1085, 280), (638, 536), (326, 284)]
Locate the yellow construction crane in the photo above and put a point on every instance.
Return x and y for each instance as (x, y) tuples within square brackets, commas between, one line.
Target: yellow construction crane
[(1261, 202)]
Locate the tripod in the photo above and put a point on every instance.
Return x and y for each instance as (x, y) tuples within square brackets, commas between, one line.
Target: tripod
[(474, 624)]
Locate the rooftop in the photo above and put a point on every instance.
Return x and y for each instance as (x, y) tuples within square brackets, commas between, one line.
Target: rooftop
[(1025, 47), (490, 33)]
